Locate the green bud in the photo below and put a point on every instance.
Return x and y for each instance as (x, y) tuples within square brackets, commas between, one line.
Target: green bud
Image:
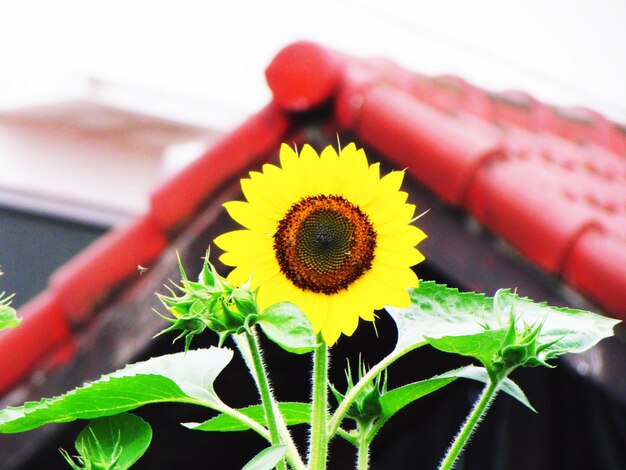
[(212, 302), (522, 348), (514, 355), (367, 407), (370, 406), (245, 300)]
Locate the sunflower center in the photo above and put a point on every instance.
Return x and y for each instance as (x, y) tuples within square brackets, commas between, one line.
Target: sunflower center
[(324, 244)]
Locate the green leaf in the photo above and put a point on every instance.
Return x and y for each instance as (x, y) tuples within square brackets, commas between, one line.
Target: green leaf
[(112, 442), (570, 330), (287, 326), (438, 314), (182, 377), (482, 346), (8, 318), (396, 399), (267, 459), (436, 311), (293, 413), (507, 386)]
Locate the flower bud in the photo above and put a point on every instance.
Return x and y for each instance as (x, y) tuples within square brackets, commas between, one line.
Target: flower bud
[(212, 303), (522, 348), (367, 407)]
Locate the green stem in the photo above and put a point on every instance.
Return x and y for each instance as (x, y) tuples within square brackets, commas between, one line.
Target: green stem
[(470, 425), (318, 450), (354, 440), (256, 427), (373, 430), (363, 456), (275, 422), (264, 389)]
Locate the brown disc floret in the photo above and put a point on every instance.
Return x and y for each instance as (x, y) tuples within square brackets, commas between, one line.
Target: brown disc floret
[(324, 243)]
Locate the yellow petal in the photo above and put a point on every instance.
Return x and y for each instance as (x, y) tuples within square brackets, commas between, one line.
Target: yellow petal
[(403, 215), (387, 208), (310, 170), (246, 214), (331, 333), (279, 289), (255, 191), (362, 185), (284, 187), (402, 277), (367, 314), (388, 212), (401, 258), (407, 236), (394, 295), (288, 157), (247, 242), (329, 154), (391, 182), (354, 169), (342, 311), (318, 311), (237, 258), (367, 294), (239, 275), (314, 306), (328, 171), (264, 271)]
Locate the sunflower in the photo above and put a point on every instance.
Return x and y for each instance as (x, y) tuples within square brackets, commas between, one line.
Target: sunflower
[(326, 233)]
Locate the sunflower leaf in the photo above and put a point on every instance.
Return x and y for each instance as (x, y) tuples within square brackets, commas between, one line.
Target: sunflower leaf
[(507, 386), (568, 330), (112, 442), (483, 346), (396, 399), (435, 309), (266, 459), (503, 329), (182, 377), (293, 413), (287, 326)]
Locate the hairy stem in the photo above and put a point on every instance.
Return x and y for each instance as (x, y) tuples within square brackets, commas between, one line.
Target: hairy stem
[(264, 389), (363, 455), (318, 450), (276, 425), (239, 416), (471, 423)]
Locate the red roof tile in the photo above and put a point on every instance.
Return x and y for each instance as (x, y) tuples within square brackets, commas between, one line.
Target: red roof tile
[(313, 76), (442, 153), (82, 283), (178, 198), (43, 331)]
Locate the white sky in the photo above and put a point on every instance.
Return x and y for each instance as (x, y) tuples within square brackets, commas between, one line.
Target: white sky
[(563, 52)]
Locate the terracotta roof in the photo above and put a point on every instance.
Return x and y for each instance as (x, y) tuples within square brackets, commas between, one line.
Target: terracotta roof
[(550, 182)]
